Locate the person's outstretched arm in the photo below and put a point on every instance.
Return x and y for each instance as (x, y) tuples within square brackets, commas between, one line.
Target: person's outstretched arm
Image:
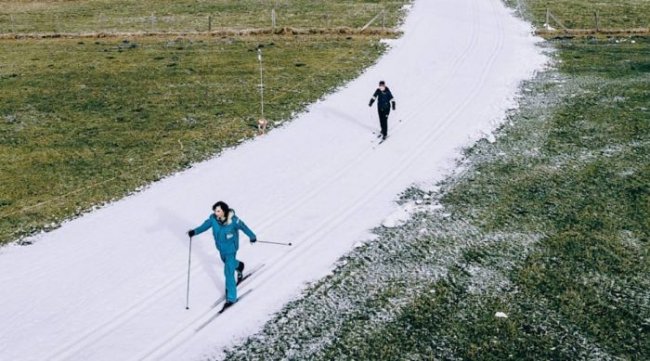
[(200, 229), (241, 225)]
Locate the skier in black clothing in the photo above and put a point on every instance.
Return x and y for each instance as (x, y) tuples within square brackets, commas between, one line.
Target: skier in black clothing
[(384, 101)]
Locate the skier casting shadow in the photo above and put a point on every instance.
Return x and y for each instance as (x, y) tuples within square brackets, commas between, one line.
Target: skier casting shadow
[(384, 101), (225, 230)]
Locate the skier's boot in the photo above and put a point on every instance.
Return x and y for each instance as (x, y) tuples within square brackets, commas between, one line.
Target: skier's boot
[(240, 272), (226, 305)]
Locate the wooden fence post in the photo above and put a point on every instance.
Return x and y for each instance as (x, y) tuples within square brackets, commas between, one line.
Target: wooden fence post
[(597, 21), (209, 23), (548, 16), (557, 21), (372, 21), (13, 25), (101, 22)]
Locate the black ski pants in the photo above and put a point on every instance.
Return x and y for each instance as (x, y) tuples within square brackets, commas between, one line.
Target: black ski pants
[(383, 120)]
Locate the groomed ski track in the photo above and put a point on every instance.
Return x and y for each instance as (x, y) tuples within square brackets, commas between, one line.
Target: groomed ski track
[(111, 285)]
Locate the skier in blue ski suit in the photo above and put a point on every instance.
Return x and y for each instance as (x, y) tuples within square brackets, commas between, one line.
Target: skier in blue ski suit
[(225, 230)]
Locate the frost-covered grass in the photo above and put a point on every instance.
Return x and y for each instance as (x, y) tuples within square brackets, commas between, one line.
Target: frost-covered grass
[(583, 181), (547, 225), (362, 303), (86, 121)]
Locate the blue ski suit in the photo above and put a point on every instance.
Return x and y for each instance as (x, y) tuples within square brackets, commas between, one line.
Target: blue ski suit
[(226, 238)]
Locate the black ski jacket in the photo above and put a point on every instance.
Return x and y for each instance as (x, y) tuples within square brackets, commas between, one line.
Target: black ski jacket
[(384, 99)]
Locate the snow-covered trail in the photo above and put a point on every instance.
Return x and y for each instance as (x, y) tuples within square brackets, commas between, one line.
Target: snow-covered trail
[(111, 285)]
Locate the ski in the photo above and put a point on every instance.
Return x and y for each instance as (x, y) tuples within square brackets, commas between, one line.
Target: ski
[(377, 134), (246, 276), (222, 311), (377, 144)]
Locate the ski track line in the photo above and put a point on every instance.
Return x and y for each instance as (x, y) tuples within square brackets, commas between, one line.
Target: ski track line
[(362, 155), (189, 329), (322, 229), (73, 347), (170, 285), (212, 311), (434, 95), (408, 115), (220, 312)]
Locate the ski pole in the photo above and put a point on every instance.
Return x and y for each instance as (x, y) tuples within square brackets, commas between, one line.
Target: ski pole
[(189, 263), (280, 243)]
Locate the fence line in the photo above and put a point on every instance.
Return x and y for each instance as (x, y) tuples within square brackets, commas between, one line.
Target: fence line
[(222, 32), (549, 31), (152, 23)]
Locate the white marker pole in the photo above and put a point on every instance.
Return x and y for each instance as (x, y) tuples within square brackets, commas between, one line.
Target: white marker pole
[(259, 57)]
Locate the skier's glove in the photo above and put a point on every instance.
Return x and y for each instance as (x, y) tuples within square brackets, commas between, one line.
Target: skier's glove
[(253, 240), (191, 233), (371, 101), (393, 105)]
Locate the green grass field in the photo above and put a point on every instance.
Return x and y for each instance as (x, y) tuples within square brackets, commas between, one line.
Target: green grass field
[(105, 16)]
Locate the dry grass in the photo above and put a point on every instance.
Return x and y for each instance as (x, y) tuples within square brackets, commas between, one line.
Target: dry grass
[(578, 33), (227, 32)]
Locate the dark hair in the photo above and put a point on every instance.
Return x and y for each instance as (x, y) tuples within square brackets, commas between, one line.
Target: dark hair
[(382, 83), (224, 207)]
